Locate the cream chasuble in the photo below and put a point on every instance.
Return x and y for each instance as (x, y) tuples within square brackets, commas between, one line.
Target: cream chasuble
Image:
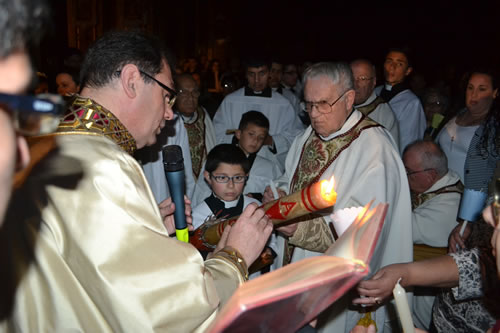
[(89, 246)]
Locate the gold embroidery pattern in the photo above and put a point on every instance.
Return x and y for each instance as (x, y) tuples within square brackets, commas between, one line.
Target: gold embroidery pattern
[(196, 138), (419, 199), (85, 116), (317, 155)]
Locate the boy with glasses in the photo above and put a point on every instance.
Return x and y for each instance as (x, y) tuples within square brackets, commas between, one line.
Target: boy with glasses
[(264, 167), (226, 172)]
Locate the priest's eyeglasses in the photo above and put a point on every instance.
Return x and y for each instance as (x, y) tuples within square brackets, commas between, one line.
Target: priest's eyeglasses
[(33, 115), (322, 106), (409, 173), (225, 179), (172, 92)]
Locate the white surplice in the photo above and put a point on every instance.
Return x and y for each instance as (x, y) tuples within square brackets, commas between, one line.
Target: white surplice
[(410, 115), (284, 124), (433, 220), (383, 115)]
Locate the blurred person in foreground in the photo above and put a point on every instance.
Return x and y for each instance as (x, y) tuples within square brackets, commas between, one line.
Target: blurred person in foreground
[(20, 26), (94, 252)]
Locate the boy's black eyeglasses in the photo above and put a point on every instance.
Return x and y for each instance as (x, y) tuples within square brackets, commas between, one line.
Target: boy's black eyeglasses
[(34, 115), (225, 179)]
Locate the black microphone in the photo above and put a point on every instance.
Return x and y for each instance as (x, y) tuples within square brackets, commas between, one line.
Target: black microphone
[(174, 171)]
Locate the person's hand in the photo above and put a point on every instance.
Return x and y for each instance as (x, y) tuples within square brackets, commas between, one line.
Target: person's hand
[(167, 209), (222, 242), (250, 233), (455, 241), (288, 230), (379, 287), (269, 196)]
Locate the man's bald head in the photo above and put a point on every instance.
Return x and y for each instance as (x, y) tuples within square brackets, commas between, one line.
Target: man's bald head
[(365, 79), (425, 164), (182, 79)]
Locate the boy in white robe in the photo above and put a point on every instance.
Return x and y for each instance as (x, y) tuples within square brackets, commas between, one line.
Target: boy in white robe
[(226, 172), (405, 104), (257, 95), (264, 167)]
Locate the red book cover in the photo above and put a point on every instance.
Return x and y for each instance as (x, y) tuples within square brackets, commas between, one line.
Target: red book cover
[(290, 297)]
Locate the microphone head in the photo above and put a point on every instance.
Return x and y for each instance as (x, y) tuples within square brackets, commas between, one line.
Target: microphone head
[(172, 158)]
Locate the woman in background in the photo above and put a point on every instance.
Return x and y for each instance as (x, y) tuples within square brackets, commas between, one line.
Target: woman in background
[(455, 138)]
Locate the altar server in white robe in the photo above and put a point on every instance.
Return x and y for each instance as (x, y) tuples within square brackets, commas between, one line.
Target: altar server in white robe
[(257, 95), (436, 193), (367, 102), (405, 104), (226, 172), (362, 156), (249, 137)]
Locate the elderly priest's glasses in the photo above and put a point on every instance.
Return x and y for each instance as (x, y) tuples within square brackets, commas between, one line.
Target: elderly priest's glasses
[(33, 115), (321, 106)]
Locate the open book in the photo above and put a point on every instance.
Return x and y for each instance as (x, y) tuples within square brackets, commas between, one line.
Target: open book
[(292, 296)]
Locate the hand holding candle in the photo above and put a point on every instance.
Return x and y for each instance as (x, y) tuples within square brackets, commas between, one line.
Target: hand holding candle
[(313, 198), (403, 308)]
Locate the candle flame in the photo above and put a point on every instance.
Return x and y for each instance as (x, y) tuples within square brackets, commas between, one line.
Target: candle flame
[(327, 190)]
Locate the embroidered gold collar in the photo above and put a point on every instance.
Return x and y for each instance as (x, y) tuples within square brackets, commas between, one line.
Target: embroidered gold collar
[(84, 116)]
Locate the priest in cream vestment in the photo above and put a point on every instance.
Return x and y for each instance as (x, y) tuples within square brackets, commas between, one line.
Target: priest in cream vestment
[(87, 249), (363, 158)]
